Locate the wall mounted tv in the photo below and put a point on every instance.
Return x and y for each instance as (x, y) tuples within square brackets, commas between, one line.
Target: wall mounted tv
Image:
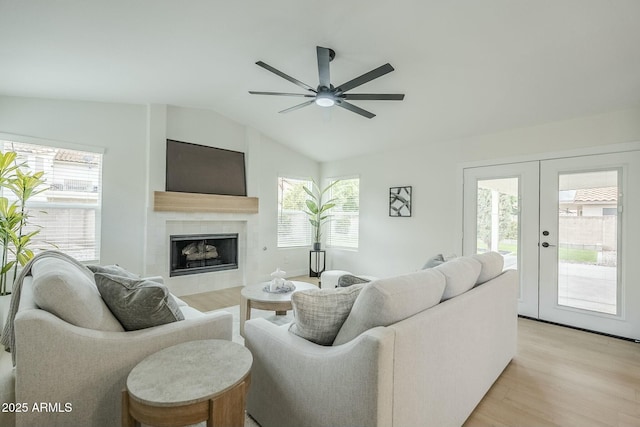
[(193, 168)]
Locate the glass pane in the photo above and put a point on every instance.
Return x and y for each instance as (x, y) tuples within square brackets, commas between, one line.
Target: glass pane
[(497, 221), (588, 240)]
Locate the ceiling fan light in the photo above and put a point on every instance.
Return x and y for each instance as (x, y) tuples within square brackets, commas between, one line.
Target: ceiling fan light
[(325, 101)]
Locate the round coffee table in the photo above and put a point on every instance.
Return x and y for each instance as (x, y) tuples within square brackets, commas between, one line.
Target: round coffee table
[(189, 383), (253, 296)]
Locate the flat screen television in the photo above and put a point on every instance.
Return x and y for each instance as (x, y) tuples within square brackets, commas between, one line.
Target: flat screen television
[(193, 168)]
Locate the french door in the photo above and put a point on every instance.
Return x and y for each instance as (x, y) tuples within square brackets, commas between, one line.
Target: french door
[(571, 227)]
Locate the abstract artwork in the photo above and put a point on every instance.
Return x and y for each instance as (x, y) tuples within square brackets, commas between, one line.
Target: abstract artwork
[(400, 201)]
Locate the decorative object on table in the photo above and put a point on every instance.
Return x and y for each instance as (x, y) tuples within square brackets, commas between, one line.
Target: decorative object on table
[(318, 209), (400, 201), (279, 284), (14, 216), (317, 262)]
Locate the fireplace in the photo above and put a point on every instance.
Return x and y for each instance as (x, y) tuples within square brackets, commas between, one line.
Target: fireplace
[(203, 253)]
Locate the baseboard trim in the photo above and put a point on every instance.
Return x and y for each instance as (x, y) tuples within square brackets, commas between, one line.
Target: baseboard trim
[(580, 329)]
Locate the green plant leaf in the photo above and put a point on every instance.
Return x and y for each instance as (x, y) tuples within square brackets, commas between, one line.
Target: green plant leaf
[(7, 267), (312, 206)]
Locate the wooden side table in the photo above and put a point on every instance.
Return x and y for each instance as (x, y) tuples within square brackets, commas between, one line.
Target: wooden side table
[(187, 384)]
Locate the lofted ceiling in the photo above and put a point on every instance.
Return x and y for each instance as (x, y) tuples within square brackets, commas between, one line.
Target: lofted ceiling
[(467, 67)]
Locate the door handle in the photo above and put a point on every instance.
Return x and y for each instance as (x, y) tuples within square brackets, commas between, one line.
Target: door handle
[(546, 245)]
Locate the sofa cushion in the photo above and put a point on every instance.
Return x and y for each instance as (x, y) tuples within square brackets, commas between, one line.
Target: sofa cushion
[(461, 275), (350, 279), (61, 288), (492, 265), (387, 301), (320, 313), (138, 303)]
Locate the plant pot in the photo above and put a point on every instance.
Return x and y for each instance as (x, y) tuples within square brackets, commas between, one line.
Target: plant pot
[(316, 246)]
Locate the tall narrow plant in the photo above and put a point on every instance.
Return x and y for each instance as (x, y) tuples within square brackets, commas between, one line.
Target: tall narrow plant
[(14, 216), (25, 185), (318, 208)]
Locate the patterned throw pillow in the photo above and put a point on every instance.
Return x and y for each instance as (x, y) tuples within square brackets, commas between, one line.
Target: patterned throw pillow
[(349, 279), (137, 303), (320, 313)]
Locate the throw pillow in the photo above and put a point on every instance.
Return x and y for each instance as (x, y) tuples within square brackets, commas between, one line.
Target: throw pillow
[(350, 279), (434, 261), (137, 303), (387, 301), (461, 275), (320, 313), (62, 289), (114, 269)]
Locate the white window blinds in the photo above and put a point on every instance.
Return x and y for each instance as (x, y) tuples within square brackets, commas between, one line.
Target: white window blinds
[(67, 212), (294, 228), (345, 216)]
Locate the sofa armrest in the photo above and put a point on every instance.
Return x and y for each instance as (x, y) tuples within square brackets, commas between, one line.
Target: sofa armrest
[(295, 382), (59, 362)]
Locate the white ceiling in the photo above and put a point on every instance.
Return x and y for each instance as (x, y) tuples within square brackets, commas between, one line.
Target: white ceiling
[(466, 66)]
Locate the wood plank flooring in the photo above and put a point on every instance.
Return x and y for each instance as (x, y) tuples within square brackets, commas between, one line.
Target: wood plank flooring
[(560, 376), (216, 300), (564, 377)]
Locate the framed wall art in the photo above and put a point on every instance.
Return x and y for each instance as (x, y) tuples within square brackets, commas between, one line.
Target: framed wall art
[(400, 201)]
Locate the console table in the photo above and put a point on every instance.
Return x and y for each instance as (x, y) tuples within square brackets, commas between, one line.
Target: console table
[(189, 383)]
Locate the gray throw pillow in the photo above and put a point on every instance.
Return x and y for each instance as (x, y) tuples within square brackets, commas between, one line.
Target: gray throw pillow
[(137, 303), (320, 313), (114, 269), (434, 261), (350, 279)]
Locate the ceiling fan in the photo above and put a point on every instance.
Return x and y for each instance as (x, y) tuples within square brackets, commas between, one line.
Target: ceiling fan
[(327, 95)]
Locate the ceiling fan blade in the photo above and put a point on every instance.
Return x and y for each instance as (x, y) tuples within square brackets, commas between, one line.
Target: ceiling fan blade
[(374, 96), (285, 76), (355, 109), (253, 92), (296, 107), (366, 77), (323, 66)]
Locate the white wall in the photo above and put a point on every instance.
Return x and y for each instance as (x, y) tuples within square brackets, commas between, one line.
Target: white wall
[(273, 160), (119, 130), (391, 246)]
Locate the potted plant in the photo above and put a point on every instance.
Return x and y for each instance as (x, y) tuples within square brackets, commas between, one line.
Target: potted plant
[(14, 216), (317, 209)]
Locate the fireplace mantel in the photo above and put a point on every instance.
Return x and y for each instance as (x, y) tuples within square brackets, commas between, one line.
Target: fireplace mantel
[(168, 201)]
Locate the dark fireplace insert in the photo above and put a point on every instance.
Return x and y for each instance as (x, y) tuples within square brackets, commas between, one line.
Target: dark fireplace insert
[(203, 253)]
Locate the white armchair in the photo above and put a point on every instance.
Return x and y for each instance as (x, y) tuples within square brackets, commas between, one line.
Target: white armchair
[(77, 371), (59, 363)]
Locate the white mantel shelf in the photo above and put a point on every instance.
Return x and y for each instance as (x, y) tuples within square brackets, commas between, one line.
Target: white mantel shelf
[(168, 201)]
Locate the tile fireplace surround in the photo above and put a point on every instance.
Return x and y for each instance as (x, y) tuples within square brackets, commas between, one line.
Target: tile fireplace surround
[(161, 225)]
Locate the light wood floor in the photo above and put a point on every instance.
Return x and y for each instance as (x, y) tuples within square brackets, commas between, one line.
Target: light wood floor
[(215, 300), (560, 376)]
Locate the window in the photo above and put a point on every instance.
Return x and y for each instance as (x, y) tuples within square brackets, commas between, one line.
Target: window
[(67, 212), (345, 216), (294, 228)]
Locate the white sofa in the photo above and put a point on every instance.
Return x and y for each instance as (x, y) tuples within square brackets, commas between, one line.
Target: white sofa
[(429, 369), (61, 363)]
